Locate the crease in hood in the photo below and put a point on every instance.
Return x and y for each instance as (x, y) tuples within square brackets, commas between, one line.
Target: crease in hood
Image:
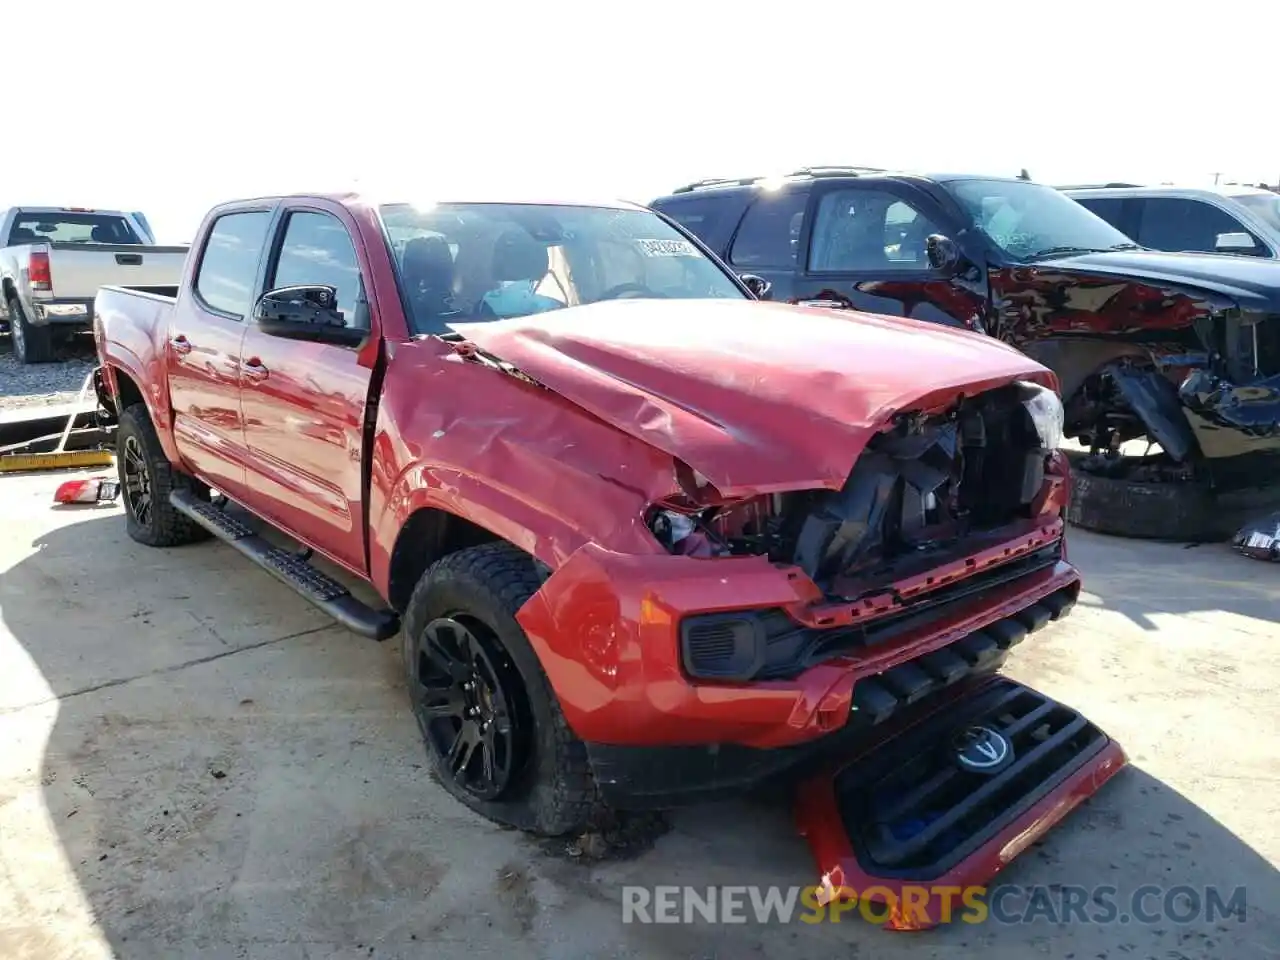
[(756, 397)]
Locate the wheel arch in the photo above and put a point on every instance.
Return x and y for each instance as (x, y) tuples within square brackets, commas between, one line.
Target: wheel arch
[(428, 534)]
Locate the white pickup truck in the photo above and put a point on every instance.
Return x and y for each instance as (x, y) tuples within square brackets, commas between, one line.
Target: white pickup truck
[(54, 259)]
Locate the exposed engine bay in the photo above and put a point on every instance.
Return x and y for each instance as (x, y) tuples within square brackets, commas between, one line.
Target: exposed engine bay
[(924, 485)]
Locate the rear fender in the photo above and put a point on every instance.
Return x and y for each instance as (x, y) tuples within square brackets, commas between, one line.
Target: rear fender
[(123, 363)]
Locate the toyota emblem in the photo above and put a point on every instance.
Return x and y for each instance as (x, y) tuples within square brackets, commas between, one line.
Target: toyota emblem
[(982, 750)]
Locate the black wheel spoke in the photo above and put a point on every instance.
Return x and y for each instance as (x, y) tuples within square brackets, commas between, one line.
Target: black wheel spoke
[(444, 644), (464, 745), (447, 702), (486, 754)]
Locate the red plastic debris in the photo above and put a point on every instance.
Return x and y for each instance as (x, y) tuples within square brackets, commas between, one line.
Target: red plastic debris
[(90, 490)]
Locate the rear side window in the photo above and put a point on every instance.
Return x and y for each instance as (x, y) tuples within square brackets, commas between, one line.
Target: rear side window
[(318, 250), (770, 232), (1168, 223), (229, 265)]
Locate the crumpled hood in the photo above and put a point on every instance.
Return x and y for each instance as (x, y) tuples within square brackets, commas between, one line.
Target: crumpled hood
[(756, 397), (1252, 281)]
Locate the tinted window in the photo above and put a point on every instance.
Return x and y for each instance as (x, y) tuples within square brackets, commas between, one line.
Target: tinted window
[(710, 219), (1167, 223), (770, 232), (871, 230), (1110, 209), (318, 250), (72, 228), (229, 265)]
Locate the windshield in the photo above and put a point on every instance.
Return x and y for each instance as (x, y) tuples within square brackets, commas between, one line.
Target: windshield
[(468, 262), (71, 228), (1265, 205), (1029, 220)]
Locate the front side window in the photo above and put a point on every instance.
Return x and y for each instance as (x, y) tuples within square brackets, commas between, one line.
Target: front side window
[(318, 250), (468, 262), (1174, 224), (229, 264), (869, 230), (1028, 221)]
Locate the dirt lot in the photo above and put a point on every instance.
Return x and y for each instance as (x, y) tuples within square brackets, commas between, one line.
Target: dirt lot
[(196, 763)]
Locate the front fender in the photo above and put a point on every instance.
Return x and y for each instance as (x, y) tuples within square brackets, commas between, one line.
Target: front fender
[(533, 523)]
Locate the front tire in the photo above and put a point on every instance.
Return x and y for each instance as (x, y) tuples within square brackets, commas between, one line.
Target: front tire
[(30, 344), (1175, 510), (146, 479), (490, 720)]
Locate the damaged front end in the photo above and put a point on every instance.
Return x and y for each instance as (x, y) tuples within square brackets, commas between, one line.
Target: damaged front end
[(1210, 417), (920, 490), (938, 510)]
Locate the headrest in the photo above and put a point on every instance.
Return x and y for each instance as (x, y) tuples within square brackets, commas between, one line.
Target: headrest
[(518, 256)]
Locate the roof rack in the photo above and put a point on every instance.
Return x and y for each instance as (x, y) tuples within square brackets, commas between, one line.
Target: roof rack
[(820, 170), (1096, 186)]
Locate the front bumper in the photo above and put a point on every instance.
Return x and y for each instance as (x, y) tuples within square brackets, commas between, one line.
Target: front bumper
[(644, 777), (606, 628)]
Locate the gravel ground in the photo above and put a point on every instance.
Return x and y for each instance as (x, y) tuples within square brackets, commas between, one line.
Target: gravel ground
[(44, 384)]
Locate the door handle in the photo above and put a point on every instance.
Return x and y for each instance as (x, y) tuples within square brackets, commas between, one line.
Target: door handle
[(254, 369), (829, 304), (180, 344)]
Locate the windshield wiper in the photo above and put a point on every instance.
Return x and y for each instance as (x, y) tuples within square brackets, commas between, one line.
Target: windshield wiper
[(1126, 246), (1052, 251)]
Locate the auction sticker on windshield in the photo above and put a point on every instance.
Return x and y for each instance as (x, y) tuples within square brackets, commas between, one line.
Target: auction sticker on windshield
[(667, 248)]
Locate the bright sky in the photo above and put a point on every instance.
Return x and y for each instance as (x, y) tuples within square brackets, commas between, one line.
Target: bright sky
[(172, 107)]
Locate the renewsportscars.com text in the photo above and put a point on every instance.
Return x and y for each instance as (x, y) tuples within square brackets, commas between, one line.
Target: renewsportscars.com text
[(1005, 904)]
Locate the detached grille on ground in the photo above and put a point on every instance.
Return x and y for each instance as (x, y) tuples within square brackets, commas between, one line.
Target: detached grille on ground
[(913, 811)]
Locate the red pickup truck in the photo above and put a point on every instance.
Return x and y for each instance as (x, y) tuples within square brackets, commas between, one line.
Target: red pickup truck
[(647, 539)]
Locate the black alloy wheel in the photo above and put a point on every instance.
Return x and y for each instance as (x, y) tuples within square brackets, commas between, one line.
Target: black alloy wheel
[(466, 698), (137, 481)]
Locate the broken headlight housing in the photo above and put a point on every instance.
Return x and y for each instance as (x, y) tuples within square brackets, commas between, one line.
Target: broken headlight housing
[(1044, 406)]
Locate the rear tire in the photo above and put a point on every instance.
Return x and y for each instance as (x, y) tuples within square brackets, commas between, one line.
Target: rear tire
[(546, 783), (146, 479), (30, 344)]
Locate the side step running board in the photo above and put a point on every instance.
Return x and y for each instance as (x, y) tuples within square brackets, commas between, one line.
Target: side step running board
[(322, 590)]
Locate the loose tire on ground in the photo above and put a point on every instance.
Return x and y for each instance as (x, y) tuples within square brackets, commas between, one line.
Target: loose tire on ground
[(554, 792), (1182, 511), (30, 344), (161, 525)]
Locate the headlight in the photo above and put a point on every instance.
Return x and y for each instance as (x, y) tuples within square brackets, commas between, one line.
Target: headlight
[(1045, 408)]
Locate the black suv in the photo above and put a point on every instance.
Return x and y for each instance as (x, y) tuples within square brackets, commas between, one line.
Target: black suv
[(1179, 349)]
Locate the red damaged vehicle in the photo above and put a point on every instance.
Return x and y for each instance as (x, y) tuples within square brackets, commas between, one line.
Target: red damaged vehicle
[(647, 539)]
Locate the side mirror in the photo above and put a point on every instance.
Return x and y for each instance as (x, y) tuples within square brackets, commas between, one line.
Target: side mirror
[(758, 285), (1234, 243), (306, 313), (942, 252)]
